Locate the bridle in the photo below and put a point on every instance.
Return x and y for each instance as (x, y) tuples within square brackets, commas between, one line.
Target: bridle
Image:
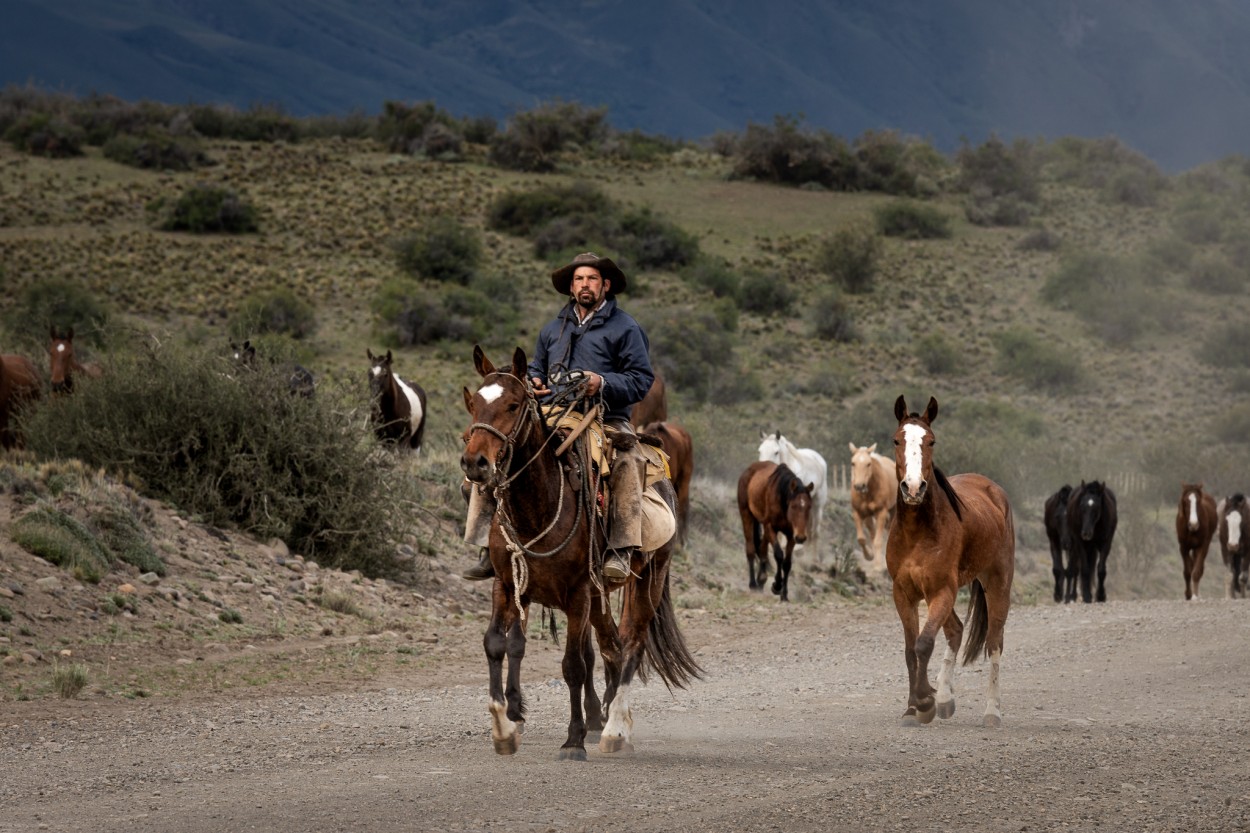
[(525, 422)]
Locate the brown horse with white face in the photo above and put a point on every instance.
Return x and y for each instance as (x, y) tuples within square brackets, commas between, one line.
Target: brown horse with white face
[(19, 386), (1195, 526), (874, 491), (947, 533), (65, 364)]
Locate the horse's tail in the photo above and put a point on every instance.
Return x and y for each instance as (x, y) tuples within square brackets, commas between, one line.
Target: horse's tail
[(666, 649), (978, 623)]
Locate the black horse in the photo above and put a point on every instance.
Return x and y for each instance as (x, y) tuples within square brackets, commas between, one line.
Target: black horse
[(1091, 526), (1055, 517)]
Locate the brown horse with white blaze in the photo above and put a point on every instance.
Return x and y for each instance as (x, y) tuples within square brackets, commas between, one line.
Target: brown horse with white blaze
[(65, 364), (959, 532), (19, 386), (543, 544), (772, 501), (874, 491), (1195, 526)]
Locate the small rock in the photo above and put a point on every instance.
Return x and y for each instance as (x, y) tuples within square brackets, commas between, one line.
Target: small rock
[(126, 588), (279, 547), (6, 593), (48, 584), (150, 579)]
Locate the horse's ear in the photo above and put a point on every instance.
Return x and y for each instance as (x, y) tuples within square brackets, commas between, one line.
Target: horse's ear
[(483, 365), (763, 434), (468, 401), (519, 363), (900, 408), (930, 413), (810, 488), (388, 357), (872, 448), (778, 435), (369, 353), (853, 447)]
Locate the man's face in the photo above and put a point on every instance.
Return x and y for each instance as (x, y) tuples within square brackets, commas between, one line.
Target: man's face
[(589, 287)]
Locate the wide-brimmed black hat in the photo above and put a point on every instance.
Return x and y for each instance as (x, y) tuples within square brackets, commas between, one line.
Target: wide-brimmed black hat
[(562, 278)]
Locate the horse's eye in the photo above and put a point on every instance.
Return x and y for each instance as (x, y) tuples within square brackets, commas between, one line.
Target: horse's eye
[(896, 442), (513, 407)]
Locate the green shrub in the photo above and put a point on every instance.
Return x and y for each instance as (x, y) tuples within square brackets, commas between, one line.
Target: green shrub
[(443, 249), (1216, 275), (767, 293), (408, 314), (652, 242), (1226, 346), (1109, 293), (60, 303), (1037, 363), (44, 134), (231, 616), (636, 146), (1200, 221), (533, 140), (1040, 239), (696, 352), (789, 154), (68, 681), (999, 169), (893, 164), (850, 257), (409, 128), (715, 275), (1172, 252), (280, 312), (983, 208), (831, 317), (119, 531), (566, 236), (912, 220), (1106, 164), (522, 213), (259, 123), (205, 209), (155, 150), (6, 615), (940, 355), (59, 539), (1233, 424), (235, 449)]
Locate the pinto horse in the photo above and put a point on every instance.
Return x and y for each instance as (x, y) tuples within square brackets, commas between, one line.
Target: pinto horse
[(772, 500), (959, 532), (1091, 519), (654, 406), (546, 545), (1055, 518), (1195, 525), (679, 447), (19, 386), (874, 491), (808, 466), (1234, 513), (398, 407), (65, 363)]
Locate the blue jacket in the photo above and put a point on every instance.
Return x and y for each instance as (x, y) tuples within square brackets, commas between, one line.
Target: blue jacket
[(611, 344)]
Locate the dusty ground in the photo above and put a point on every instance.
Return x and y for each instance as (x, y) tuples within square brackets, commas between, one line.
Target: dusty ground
[(1128, 715)]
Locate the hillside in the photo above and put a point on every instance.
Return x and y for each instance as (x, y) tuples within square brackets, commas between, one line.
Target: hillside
[(1169, 82)]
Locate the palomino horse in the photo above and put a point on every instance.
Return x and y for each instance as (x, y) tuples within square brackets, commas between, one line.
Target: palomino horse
[(874, 490), (546, 547), (19, 385), (398, 407), (1234, 514), (1091, 519), (941, 539), (679, 447), (65, 364), (808, 466), (654, 406), (1195, 526), (772, 500), (1055, 518)]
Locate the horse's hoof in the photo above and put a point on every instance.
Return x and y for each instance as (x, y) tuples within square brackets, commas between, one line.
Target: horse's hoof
[(615, 743), (909, 721), (992, 721), (508, 746), (946, 709), (776, 590), (927, 716), (572, 753), (595, 724), (520, 727)]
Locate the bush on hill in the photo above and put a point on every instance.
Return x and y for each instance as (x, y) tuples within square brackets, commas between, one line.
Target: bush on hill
[(205, 209), (60, 303), (1002, 181), (156, 150), (1039, 364), (442, 249), (912, 220), (533, 140), (850, 256), (279, 312)]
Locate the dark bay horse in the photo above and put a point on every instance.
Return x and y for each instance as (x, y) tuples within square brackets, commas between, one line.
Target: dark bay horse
[(300, 380), (1195, 526), (1234, 513), (546, 548), (654, 406), (19, 386), (398, 407), (65, 363), (958, 532), (772, 501), (679, 447), (1091, 519), (1055, 517)]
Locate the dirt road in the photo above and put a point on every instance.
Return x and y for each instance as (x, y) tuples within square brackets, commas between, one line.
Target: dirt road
[(1127, 716)]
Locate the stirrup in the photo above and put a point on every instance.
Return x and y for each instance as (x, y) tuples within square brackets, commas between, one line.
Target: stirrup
[(482, 570), (616, 566)]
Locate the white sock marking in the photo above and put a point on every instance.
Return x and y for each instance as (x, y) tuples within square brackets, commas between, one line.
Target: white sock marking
[(945, 691), (620, 721), (993, 701)]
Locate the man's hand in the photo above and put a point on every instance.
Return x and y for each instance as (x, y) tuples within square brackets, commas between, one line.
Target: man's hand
[(593, 382), (540, 387)]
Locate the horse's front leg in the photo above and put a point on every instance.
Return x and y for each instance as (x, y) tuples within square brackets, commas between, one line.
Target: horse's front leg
[(1056, 569), (610, 651), (505, 638), (783, 566), (1103, 552), (910, 619), (954, 630), (861, 535), (1187, 565), (576, 643), (941, 605), (1089, 556), (1074, 569), (1200, 561)]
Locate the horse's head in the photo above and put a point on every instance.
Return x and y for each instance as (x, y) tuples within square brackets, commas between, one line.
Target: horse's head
[(1089, 508), (244, 356), (799, 507), (61, 349), (861, 466), (1191, 496), (379, 373), (503, 411), (913, 450), (773, 447)]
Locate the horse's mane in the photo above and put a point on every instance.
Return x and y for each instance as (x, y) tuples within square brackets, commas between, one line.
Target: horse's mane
[(782, 477), (945, 485)]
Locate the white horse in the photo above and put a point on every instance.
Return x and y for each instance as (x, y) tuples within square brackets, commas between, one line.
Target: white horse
[(809, 466)]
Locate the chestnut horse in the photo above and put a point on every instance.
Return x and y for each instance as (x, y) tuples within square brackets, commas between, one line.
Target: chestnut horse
[(959, 532), (19, 385), (772, 500), (1195, 526), (1055, 517), (654, 406), (398, 407), (1092, 519), (1234, 514), (65, 363), (546, 547), (679, 447), (808, 466), (874, 490)]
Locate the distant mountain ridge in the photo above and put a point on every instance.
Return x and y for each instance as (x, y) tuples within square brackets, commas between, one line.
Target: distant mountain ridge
[(1171, 80)]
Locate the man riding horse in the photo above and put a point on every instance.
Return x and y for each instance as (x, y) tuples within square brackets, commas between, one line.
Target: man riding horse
[(593, 339)]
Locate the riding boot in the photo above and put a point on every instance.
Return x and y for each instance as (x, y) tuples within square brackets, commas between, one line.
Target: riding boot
[(625, 522), (477, 531)]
